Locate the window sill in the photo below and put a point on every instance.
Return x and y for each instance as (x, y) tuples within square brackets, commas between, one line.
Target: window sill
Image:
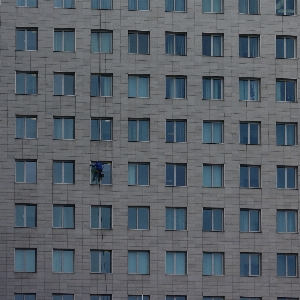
[(26, 50), (101, 228), (213, 99), (175, 185)]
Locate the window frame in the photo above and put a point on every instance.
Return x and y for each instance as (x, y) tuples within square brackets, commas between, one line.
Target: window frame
[(25, 253), (63, 216), (100, 220), (249, 135), (286, 96), (210, 52), (176, 131), (63, 4), (62, 296), (25, 132), (212, 3), (26, 215), (174, 256), (249, 219), (211, 220), (285, 46), (285, 186), (98, 80), (136, 214), (107, 172), (98, 4), (212, 132), (249, 179), (64, 134), (284, 8), (31, 296), (25, 174), (26, 38), (137, 260), (247, 82), (26, 3), (136, 3), (175, 180), (100, 297), (138, 297), (62, 82), (62, 266), (100, 130), (173, 51), (211, 80), (136, 173), (26, 81), (62, 162), (137, 125), (250, 48), (174, 8), (101, 267), (211, 257), (64, 44), (286, 221), (248, 3), (212, 175), (138, 93), (176, 214), (174, 88), (286, 134), (100, 45), (250, 257), (287, 264), (135, 37)]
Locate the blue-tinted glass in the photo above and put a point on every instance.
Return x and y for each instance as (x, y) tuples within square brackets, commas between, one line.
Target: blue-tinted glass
[(253, 49), (217, 46), (57, 172), (206, 5), (280, 134), (291, 178), (95, 261), (58, 3), (207, 220), (105, 261), (169, 5), (290, 91), (180, 175), (20, 40), (254, 220), (292, 265), (30, 216), (105, 217), (20, 215), (290, 48), (170, 134), (291, 221), (20, 169), (207, 264), (69, 84), (58, 40), (253, 7), (20, 127), (179, 5), (143, 4), (20, 83), (31, 40), (69, 41), (68, 3), (180, 88), (170, 218), (95, 85), (20, 3), (132, 86), (243, 41), (68, 217), (290, 7), (244, 264), (143, 218), (95, 216), (280, 91), (30, 127), (170, 174), (180, 131), (58, 79), (280, 177), (143, 86), (143, 40), (254, 264), (279, 47), (95, 129), (57, 216), (180, 219), (217, 89), (254, 134), (132, 4), (132, 218), (207, 176), (58, 134), (254, 177), (32, 3), (143, 174), (281, 221), (217, 220), (207, 132), (31, 171), (290, 134), (243, 6), (170, 87), (206, 89), (132, 42), (105, 4), (106, 42), (170, 44), (106, 130), (244, 220), (217, 6), (180, 44), (281, 265), (206, 45), (31, 81), (244, 180), (69, 128)]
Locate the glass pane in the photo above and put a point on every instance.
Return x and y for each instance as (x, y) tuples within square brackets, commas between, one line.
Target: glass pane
[(31, 81), (254, 50), (292, 265), (68, 128), (20, 215), (69, 84), (281, 265), (95, 129), (132, 176), (143, 262), (254, 264), (180, 88), (254, 177), (19, 260), (105, 262), (106, 130), (143, 87), (180, 44), (217, 46), (244, 220), (206, 89), (57, 128), (58, 78), (280, 134), (170, 218), (20, 127), (132, 218), (68, 261), (179, 5), (106, 86), (20, 83), (132, 262), (143, 47), (207, 220), (58, 3), (57, 216), (217, 176), (143, 5), (169, 5), (291, 221), (170, 263), (58, 40), (180, 131), (254, 90), (30, 128), (291, 133), (217, 132), (290, 48), (69, 41), (244, 90), (218, 219), (243, 6), (132, 86), (279, 47), (132, 4), (290, 91), (207, 132), (20, 168), (207, 176), (206, 45), (69, 3), (253, 7), (106, 42), (180, 219), (143, 214), (143, 174), (68, 217), (291, 180), (95, 217), (180, 175), (254, 134), (57, 172), (170, 87), (31, 171), (244, 264), (290, 7), (105, 4), (206, 5), (217, 7), (132, 130), (280, 178), (31, 40), (254, 220), (95, 42), (243, 43), (207, 264), (143, 130), (170, 175), (280, 91), (95, 261), (30, 261), (20, 40), (132, 42), (30, 216), (218, 263), (170, 44), (281, 221), (180, 263), (170, 138)]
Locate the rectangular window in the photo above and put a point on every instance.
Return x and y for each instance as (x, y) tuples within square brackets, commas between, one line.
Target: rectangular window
[(212, 88), (138, 262), (138, 42), (138, 173), (249, 89), (138, 218), (138, 130), (287, 265), (139, 297), (100, 261), (101, 41), (176, 131), (176, 218), (106, 171), (138, 4), (26, 127), (64, 84), (175, 43), (25, 260), (63, 172), (213, 219), (250, 264), (101, 85), (249, 45), (212, 6), (62, 297), (100, 297), (213, 175), (212, 45), (287, 221), (175, 87), (63, 216), (138, 86), (24, 297), (286, 134), (249, 176), (64, 4), (285, 7), (176, 174), (286, 46), (25, 215), (176, 263), (64, 128), (212, 132), (101, 129), (26, 83), (26, 171), (250, 220), (101, 217), (63, 261), (64, 40), (175, 5), (26, 39), (287, 177), (249, 7), (249, 133), (101, 4), (213, 264), (285, 90), (26, 3)]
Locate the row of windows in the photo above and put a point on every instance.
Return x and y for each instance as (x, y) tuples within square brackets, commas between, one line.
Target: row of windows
[(139, 218), (252, 7)]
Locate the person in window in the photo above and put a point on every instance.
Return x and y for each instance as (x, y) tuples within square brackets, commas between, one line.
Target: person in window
[(97, 171)]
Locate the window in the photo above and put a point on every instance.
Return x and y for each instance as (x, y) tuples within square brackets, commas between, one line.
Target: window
[(249, 45), (212, 175), (175, 43), (138, 42), (139, 297), (138, 262), (26, 3), (250, 264), (107, 172), (63, 261), (175, 5), (64, 40), (287, 221), (63, 172), (26, 83), (62, 297), (286, 46), (249, 89), (101, 129), (287, 265), (64, 84), (176, 131), (101, 85), (26, 127), (176, 175), (212, 132), (175, 297), (64, 4), (101, 217), (26, 171), (175, 87), (25, 215), (212, 88), (249, 220), (101, 4), (138, 173), (63, 216), (25, 260), (64, 128), (176, 218), (138, 218), (285, 7), (24, 296), (287, 177), (101, 41), (138, 130), (138, 4), (249, 133), (212, 6), (249, 176), (100, 261), (249, 7), (138, 86), (212, 45), (26, 39), (213, 264), (285, 90), (213, 219), (176, 263), (286, 134), (100, 297)]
